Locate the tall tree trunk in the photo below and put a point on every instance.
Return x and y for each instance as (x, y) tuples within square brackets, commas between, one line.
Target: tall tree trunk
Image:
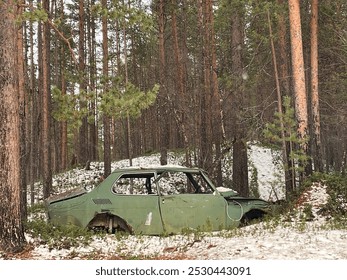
[(289, 182), (22, 115), (11, 227), (181, 98), (106, 118), (209, 118), (34, 104), (283, 53), (205, 155), (162, 110), (46, 134), (128, 123), (83, 132), (216, 121), (317, 144), (93, 135), (63, 128), (64, 131), (300, 98), (284, 82), (240, 157)]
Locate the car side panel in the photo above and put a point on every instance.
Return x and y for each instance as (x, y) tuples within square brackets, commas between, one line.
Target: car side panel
[(141, 212), (193, 211), (235, 212), (75, 211)]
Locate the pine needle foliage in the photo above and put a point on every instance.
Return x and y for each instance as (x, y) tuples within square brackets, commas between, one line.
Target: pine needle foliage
[(273, 133)]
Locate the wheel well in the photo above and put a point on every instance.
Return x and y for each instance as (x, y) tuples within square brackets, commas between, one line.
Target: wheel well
[(109, 222), (251, 215)]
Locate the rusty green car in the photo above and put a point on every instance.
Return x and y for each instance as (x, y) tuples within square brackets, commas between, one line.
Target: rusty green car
[(154, 201)]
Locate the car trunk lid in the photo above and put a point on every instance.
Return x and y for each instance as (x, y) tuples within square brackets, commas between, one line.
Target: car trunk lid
[(66, 195)]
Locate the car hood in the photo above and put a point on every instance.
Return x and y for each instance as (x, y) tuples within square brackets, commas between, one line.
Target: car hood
[(226, 192), (231, 195), (250, 202), (66, 195)]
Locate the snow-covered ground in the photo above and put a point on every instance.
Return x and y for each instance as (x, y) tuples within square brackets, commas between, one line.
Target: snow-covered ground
[(257, 242), (292, 237)]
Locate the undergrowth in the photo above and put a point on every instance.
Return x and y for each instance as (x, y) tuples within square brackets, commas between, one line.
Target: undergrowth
[(334, 211), (58, 237), (337, 190)]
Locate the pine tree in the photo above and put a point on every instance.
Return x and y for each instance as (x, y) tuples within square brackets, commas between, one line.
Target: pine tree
[(11, 227), (299, 87), (297, 158)]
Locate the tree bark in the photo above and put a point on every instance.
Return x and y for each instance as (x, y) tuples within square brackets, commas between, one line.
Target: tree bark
[(181, 98), (317, 144), (34, 104), (216, 122), (300, 98), (46, 123), (63, 157), (289, 181), (11, 227), (284, 87), (23, 115), (128, 122), (83, 132), (106, 118), (206, 92), (162, 110), (93, 135), (240, 157)]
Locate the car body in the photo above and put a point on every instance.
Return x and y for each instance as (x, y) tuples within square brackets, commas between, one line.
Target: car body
[(153, 201)]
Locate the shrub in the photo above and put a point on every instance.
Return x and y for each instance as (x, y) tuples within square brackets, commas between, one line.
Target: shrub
[(336, 206), (59, 237)]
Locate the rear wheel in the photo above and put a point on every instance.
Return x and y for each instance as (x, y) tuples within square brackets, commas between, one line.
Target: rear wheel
[(109, 223)]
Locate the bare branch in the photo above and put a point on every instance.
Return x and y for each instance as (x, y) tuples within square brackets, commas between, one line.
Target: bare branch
[(66, 40)]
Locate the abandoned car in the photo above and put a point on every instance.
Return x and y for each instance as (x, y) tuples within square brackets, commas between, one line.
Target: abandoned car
[(154, 201)]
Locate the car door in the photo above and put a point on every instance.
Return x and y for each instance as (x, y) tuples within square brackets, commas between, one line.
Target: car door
[(131, 201), (182, 208)]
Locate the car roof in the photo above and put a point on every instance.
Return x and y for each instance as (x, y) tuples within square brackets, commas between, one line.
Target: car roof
[(158, 169)]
